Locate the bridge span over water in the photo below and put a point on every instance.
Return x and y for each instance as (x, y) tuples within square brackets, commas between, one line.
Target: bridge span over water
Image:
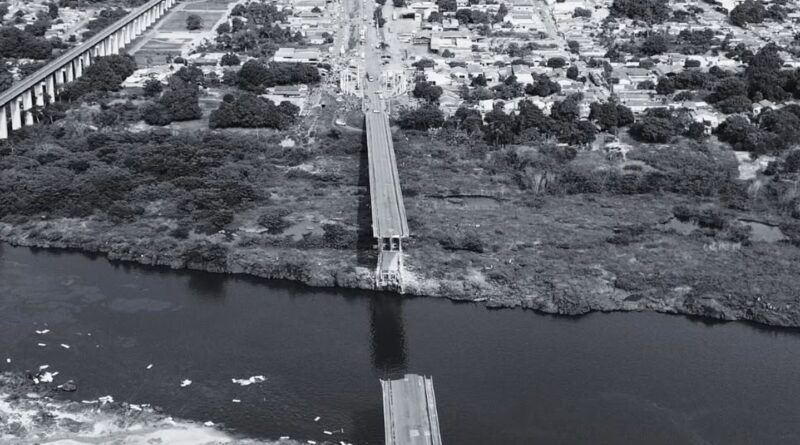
[(44, 85)]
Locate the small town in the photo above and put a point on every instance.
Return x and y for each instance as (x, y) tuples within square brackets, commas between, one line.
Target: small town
[(288, 221)]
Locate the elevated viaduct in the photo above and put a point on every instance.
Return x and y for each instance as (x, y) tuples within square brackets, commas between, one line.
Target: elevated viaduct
[(44, 85)]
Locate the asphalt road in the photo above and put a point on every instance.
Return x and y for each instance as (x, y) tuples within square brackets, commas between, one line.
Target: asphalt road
[(388, 210)]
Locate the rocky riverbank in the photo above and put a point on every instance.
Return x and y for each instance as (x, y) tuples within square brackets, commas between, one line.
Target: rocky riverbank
[(30, 414), (554, 288)]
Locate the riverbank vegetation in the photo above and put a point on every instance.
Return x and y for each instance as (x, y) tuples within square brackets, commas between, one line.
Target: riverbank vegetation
[(668, 227)]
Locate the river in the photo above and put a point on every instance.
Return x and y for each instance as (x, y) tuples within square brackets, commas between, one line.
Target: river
[(501, 377)]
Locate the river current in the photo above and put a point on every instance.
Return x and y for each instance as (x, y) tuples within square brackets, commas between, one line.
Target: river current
[(501, 377)]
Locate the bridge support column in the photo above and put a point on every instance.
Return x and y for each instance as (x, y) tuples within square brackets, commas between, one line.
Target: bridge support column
[(78, 66), (68, 73), (38, 91), (127, 32), (16, 114), (3, 123), (50, 86), (27, 105), (114, 43)]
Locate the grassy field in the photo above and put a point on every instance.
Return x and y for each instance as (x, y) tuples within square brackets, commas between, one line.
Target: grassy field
[(177, 20), (213, 5), (156, 51)]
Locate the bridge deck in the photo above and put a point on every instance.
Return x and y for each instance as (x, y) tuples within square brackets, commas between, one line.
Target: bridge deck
[(409, 411), (388, 210)]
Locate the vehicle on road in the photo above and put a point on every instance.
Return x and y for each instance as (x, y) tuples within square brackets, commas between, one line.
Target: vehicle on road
[(370, 77), (376, 111)]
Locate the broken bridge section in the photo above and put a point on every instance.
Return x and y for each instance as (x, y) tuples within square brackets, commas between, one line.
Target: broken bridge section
[(389, 223), (409, 411)]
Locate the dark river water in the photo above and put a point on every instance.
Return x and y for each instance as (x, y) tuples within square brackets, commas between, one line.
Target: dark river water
[(501, 377)]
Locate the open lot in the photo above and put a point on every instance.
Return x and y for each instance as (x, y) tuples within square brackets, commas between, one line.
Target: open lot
[(177, 20), (156, 50)]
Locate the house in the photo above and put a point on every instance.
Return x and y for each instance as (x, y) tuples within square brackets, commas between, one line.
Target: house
[(709, 118), (450, 24), (440, 78), (459, 73), (290, 90), (522, 6), (423, 10), (299, 55), (525, 21), (762, 105), (451, 40), (308, 5)]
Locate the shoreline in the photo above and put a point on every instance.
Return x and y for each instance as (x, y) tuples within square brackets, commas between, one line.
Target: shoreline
[(283, 265)]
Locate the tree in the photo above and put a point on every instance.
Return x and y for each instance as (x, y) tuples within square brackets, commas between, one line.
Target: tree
[(605, 114), (542, 86), (655, 44), (658, 125), (52, 10), (193, 22), (734, 104), (181, 99), (18, 44), (531, 117), (229, 59), (665, 86), (38, 28), (727, 87), (499, 127), (556, 62), (749, 11), (582, 12), (734, 129), (434, 17), (691, 63), (398, 3), (574, 46), (152, 87), (572, 72), (696, 131), (479, 81), (223, 28), (624, 116), (154, 113), (502, 11), (424, 117), (427, 91), (250, 111), (448, 5), (764, 75), (649, 11), (646, 85), (567, 109)]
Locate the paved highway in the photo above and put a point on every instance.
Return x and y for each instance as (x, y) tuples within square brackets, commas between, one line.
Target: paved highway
[(388, 210), (409, 411)]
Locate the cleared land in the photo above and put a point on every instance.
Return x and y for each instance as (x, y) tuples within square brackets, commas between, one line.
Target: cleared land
[(177, 20)]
